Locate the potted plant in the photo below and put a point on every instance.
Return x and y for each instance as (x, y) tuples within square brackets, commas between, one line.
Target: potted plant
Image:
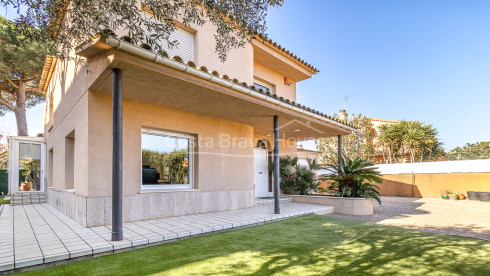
[(445, 193), (461, 196), (453, 196), (26, 185)]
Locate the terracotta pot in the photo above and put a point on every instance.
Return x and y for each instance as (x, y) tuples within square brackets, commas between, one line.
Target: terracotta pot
[(25, 186)]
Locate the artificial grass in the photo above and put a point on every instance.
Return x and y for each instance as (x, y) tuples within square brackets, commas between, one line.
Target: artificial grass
[(2, 201), (308, 245)]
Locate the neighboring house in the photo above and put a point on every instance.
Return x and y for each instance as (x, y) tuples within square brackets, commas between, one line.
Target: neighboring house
[(196, 132)]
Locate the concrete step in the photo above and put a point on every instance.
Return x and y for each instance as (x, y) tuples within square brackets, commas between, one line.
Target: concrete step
[(28, 198)]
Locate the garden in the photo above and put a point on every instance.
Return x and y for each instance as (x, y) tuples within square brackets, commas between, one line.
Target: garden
[(329, 246)]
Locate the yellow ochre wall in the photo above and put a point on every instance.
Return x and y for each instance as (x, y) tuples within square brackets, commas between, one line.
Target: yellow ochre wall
[(430, 185)]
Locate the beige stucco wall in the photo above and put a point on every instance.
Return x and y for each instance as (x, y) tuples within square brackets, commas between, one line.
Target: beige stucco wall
[(218, 167), (238, 63), (263, 73), (68, 103)]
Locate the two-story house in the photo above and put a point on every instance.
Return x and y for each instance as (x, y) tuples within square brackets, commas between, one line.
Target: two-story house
[(195, 135)]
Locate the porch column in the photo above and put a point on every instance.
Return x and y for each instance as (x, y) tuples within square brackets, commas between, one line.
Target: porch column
[(277, 209), (117, 231), (339, 150)]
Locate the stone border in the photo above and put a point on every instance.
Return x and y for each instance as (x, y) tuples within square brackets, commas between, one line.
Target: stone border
[(358, 206)]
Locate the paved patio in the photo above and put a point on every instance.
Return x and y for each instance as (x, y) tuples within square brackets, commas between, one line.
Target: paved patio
[(462, 217), (38, 233)]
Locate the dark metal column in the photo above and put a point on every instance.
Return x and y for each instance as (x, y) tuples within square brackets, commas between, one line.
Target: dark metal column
[(339, 151), (277, 208), (117, 231)]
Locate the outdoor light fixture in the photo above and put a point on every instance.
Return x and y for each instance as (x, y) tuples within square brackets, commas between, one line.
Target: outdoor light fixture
[(296, 130)]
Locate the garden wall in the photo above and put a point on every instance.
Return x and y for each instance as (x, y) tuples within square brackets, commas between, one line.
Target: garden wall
[(429, 178)]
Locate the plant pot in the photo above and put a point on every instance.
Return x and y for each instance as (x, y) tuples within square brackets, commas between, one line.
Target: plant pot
[(453, 196), (25, 186), (444, 196), (461, 196), (484, 196), (472, 195)]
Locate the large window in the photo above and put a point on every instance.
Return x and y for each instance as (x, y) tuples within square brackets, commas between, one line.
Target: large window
[(167, 160)]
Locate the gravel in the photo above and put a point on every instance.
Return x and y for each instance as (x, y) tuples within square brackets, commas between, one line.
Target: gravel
[(462, 217)]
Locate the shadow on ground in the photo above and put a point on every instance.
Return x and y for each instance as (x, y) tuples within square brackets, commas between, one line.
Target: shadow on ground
[(414, 213), (306, 245)]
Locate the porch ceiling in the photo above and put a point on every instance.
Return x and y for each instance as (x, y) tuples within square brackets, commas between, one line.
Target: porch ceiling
[(149, 82)]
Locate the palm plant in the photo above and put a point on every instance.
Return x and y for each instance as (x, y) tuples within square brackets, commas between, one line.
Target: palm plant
[(295, 178), (353, 178)]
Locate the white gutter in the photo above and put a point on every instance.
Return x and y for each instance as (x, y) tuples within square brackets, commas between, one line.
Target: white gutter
[(128, 47)]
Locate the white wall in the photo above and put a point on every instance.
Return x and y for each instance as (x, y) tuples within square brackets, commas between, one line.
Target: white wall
[(465, 166)]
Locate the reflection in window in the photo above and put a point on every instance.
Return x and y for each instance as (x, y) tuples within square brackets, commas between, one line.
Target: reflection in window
[(29, 167), (166, 159), (264, 87)]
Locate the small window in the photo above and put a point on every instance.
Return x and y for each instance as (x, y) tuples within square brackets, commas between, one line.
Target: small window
[(167, 160), (260, 85)]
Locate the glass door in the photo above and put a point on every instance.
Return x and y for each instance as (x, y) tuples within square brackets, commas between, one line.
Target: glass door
[(27, 166)]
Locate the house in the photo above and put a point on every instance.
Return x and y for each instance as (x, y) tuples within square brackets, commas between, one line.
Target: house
[(182, 134)]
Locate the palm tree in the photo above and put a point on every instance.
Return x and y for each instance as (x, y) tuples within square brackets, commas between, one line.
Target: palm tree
[(354, 178)]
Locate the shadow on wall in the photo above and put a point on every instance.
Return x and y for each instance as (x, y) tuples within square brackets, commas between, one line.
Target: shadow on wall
[(400, 185), (430, 184)]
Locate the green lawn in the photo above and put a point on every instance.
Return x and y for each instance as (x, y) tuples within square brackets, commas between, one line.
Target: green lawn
[(2, 201), (309, 245)]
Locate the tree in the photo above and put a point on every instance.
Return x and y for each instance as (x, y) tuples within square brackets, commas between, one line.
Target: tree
[(236, 21), (411, 138), (357, 144), (470, 151), (21, 64)]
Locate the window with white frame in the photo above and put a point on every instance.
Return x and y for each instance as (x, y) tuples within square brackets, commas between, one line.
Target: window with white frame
[(184, 46), (260, 85), (166, 159)]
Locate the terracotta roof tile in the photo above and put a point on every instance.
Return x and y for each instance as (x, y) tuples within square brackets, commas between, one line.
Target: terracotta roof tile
[(244, 84)]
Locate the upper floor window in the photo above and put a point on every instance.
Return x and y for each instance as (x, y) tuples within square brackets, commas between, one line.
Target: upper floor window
[(184, 47), (260, 85)]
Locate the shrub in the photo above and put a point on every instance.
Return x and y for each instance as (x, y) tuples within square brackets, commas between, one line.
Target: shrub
[(353, 178), (297, 179)]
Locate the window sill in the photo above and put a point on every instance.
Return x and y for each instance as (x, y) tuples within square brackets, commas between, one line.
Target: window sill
[(165, 190)]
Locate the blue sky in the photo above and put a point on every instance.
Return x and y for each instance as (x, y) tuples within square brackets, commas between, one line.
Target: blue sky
[(420, 60)]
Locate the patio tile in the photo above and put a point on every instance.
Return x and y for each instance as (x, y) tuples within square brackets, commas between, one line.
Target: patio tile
[(41, 233), (81, 252), (28, 262), (56, 257), (7, 266)]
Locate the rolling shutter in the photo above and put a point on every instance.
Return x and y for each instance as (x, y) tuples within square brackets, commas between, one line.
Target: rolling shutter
[(185, 46)]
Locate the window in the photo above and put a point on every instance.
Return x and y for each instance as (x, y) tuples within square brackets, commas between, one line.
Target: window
[(184, 47), (260, 85), (70, 161), (167, 160)]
